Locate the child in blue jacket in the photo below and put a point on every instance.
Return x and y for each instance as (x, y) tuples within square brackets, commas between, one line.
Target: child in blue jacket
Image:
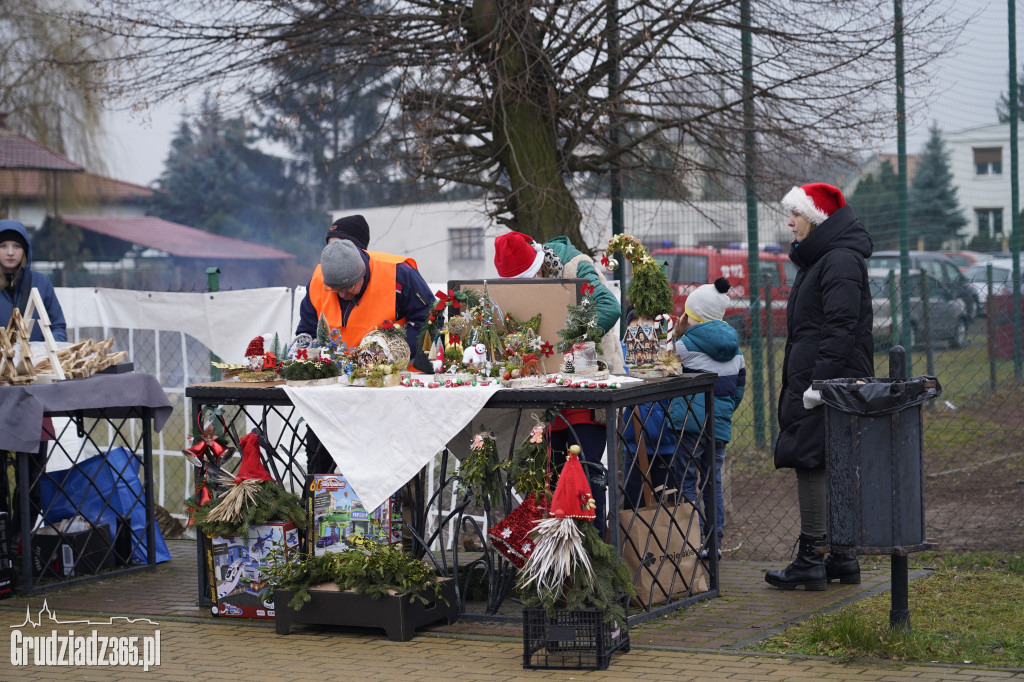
[(708, 345)]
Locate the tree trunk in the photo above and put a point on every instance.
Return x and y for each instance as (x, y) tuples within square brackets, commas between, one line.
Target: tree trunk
[(523, 114)]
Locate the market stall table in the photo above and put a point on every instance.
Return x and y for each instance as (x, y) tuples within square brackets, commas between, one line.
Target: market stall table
[(380, 438), (103, 406)]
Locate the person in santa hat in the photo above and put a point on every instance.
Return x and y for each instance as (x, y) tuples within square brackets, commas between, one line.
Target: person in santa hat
[(518, 255), (828, 322)]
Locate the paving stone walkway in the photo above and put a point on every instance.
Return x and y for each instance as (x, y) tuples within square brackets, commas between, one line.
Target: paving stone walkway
[(705, 641)]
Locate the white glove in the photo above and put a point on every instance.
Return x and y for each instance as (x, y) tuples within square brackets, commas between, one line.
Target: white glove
[(812, 398)]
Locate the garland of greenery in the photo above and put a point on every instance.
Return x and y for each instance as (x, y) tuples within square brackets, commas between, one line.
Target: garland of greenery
[(649, 291), (376, 573), (480, 469), (601, 589), (527, 468), (271, 502)]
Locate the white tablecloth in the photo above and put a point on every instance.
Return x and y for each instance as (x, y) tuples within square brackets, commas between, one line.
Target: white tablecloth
[(381, 437)]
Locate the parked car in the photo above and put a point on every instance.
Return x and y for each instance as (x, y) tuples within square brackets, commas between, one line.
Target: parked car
[(939, 266), (965, 259), (1002, 283), (947, 316), (688, 268)]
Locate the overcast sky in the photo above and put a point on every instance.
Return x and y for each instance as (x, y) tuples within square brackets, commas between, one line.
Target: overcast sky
[(967, 83)]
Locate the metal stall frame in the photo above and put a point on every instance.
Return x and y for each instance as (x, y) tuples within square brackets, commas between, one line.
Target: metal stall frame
[(257, 404)]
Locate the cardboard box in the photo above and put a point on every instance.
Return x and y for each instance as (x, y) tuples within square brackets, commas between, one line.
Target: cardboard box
[(337, 520), (235, 565), (84, 552)]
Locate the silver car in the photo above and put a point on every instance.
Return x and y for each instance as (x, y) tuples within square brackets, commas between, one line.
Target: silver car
[(1002, 269), (944, 319)]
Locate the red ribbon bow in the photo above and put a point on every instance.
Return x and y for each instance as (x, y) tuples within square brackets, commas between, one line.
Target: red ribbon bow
[(301, 354), (587, 289), (446, 299)]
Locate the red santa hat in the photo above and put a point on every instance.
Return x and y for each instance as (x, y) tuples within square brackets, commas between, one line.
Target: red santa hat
[(517, 255), (815, 201), (572, 498)]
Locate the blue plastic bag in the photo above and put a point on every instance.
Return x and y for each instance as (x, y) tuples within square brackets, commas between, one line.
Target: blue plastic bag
[(103, 489)]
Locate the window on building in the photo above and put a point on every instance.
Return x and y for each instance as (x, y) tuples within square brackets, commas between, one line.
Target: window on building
[(988, 160), (466, 243), (990, 222)]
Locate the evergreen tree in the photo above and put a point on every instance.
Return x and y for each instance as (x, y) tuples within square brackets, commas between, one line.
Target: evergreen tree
[(1003, 105), (877, 206), (215, 179), (935, 213)]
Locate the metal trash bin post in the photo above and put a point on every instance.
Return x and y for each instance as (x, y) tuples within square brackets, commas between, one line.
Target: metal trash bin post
[(874, 452)]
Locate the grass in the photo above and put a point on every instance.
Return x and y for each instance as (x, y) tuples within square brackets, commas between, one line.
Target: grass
[(970, 610), (964, 375)]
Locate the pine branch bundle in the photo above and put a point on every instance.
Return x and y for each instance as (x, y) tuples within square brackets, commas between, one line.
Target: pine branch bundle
[(249, 503)]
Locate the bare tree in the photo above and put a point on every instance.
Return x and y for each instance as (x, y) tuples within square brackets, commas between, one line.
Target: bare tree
[(512, 95), (51, 78)]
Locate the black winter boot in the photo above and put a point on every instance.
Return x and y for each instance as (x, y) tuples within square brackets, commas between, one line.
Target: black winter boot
[(808, 569), (842, 567)]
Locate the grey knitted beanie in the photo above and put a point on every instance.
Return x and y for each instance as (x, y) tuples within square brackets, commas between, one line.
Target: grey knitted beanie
[(342, 264)]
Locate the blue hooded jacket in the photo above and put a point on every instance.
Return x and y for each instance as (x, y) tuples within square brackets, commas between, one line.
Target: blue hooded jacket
[(712, 347), (12, 297)]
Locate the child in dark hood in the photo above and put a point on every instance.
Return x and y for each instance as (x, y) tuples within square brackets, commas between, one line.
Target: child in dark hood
[(19, 279)]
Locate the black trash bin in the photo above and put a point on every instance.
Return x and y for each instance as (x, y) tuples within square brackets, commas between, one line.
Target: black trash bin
[(874, 452)]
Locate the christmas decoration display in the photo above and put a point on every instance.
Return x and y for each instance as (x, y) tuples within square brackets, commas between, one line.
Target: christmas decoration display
[(571, 566), (251, 498), (310, 367), (469, 336), (572, 381), (527, 468), (381, 357), (480, 468), (581, 323), (208, 454), (649, 291), (16, 351), (511, 535), (649, 338), (81, 360), (377, 571), (254, 354)]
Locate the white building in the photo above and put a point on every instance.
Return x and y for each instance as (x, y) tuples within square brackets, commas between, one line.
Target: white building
[(980, 163), (456, 240)]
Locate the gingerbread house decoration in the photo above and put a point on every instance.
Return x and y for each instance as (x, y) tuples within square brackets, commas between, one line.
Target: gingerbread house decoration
[(641, 345)]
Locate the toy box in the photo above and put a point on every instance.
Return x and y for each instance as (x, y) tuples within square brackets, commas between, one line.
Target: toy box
[(235, 565), (337, 520)]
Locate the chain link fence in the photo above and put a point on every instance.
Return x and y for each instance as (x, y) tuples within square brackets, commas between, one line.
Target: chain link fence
[(973, 457)]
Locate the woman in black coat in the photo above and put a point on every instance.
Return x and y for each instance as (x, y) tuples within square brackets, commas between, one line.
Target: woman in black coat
[(828, 320)]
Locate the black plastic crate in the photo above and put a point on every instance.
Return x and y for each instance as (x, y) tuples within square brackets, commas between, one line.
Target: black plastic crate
[(571, 639)]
